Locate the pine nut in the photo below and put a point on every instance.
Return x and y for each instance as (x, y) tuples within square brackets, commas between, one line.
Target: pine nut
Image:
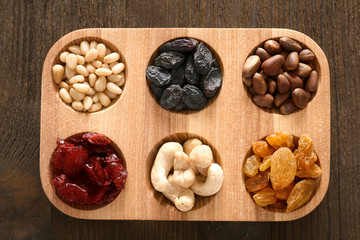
[(95, 98), (110, 94), (96, 63), (81, 87), (104, 99), (90, 92), (84, 47), (105, 65), (63, 56), (58, 73), (118, 68), (92, 79), (103, 72), (64, 85), (95, 107), (82, 70), (64, 94), (80, 60), (91, 55), (108, 51), (101, 49), (112, 57), (77, 105), (76, 79), (114, 78), (69, 73), (93, 44), (77, 96), (75, 49), (111, 65), (122, 80), (100, 84), (87, 103), (71, 61), (112, 87), (90, 68)]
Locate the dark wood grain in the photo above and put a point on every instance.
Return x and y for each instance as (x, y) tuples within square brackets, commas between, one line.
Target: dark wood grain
[(28, 30)]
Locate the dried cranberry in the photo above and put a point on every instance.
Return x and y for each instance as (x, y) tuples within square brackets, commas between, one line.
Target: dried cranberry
[(73, 193), (116, 170), (96, 172), (96, 138)]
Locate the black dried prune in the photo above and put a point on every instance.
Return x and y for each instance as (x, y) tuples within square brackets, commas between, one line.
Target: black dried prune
[(178, 75), (214, 62), (180, 106), (180, 45), (157, 91), (211, 82), (202, 59), (171, 97), (193, 97), (158, 76), (192, 77), (169, 60)]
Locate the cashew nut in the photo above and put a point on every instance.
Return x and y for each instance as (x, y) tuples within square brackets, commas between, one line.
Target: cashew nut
[(212, 184), (162, 165), (190, 144), (183, 198), (201, 156), (183, 175), (203, 171)]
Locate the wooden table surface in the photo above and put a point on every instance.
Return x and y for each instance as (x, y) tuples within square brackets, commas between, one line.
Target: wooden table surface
[(28, 30)]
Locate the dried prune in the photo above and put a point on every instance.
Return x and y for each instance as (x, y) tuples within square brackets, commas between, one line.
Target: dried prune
[(169, 60), (180, 45), (96, 172), (96, 138), (266, 163), (158, 76), (262, 148), (193, 97), (178, 75), (280, 139), (171, 97), (305, 153), (157, 91), (202, 59), (284, 193), (211, 82), (180, 106), (257, 182), (283, 168), (313, 171), (300, 194), (265, 197), (251, 166), (192, 76)]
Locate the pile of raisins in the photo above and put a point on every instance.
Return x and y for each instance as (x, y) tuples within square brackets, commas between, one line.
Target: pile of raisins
[(87, 170), (185, 75)]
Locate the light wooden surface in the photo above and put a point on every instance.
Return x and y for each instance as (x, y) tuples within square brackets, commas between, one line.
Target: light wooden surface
[(136, 123)]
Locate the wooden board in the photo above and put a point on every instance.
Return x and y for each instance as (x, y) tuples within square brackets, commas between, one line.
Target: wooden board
[(137, 125)]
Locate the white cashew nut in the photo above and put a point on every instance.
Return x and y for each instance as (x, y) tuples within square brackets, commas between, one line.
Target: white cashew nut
[(203, 171), (201, 156), (183, 175), (212, 184), (190, 144), (183, 198), (162, 165)]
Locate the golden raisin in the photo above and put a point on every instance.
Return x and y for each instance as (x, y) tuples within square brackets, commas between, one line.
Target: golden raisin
[(284, 193), (305, 153), (280, 139), (300, 194), (257, 182), (314, 171), (251, 166), (265, 197), (262, 148), (265, 164), (283, 168), (280, 204)]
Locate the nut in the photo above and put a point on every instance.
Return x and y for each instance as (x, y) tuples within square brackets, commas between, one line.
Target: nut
[(262, 53), (263, 100), (288, 107), (271, 84), (306, 55), (294, 80), (280, 98), (303, 70), (289, 44), (300, 97), (283, 84), (251, 65), (292, 61), (259, 84), (312, 82), (213, 183), (273, 65), (272, 47)]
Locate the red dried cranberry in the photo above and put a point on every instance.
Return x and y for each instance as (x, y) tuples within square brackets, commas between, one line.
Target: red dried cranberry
[(116, 170), (96, 138), (96, 172)]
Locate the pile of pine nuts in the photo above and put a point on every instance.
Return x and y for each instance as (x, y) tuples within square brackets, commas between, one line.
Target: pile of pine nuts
[(91, 78)]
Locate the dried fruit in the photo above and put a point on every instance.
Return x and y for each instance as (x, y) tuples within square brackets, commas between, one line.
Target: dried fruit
[(180, 45), (251, 166), (169, 60), (96, 138), (178, 75), (262, 148), (157, 91), (202, 59), (257, 182), (300, 194), (193, 98), (192, 76), (280, 139), (280, 204), (283, 168), (305, 153), (158, 76), (314, 171), (171, 97), (211, 82), (96, 172), (266, 163), (265, 197), (284, 193)]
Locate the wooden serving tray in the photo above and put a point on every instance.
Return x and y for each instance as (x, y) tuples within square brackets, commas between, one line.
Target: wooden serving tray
[(137, 124)]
